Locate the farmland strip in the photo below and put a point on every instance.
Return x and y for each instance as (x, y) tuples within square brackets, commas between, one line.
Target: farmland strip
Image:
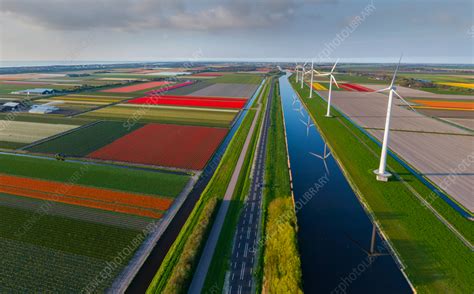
[(84, 192)]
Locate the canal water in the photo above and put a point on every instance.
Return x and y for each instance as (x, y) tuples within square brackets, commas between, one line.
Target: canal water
[(334, 235)]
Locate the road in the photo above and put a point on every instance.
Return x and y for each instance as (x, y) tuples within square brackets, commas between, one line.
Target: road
[(204, 262), (243, 259)]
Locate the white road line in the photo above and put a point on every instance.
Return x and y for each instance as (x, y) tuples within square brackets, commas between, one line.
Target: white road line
[(246, 249), (240, 289), (242, 271), (233, 276), (238, 246)]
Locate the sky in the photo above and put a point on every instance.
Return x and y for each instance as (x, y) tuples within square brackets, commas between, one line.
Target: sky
[(426, 31)]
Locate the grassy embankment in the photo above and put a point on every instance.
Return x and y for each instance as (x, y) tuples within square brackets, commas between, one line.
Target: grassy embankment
[(215, 190), (221, 259), (435, 259), (280, 268)]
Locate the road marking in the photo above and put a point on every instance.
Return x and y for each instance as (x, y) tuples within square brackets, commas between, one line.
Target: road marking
[(246, 249), (242, 271), (238, 246), (233, 276), (240, 289), (248, 233)]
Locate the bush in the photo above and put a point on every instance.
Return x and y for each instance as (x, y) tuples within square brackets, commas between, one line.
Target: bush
[(282, 265)]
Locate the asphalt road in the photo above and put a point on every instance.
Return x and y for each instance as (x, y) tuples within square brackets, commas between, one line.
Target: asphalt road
[(245, 246)]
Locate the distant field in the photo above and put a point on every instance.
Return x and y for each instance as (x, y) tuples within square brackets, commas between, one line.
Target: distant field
[(39, 118), (27, 132), (164, 114), (239, 79), (189, 89), (440, 77), (137, 87), (144, 181), (194, 101), (85, 140), (188, 147), (8, 88), (227, 90)]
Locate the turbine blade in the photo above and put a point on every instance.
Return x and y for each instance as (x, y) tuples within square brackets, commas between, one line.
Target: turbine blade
[(335, 82), (303, 122), (317, 155), (396, 70), (334, 67), (381, 90), (326, 166), (404, 101)]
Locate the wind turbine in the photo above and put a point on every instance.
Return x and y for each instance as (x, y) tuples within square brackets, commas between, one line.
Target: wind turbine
[(311, 84), (300, 110), (295, 99), (302, 74), (308, 125), (296, 71), (323, 157), (381, 172), (331, 79)]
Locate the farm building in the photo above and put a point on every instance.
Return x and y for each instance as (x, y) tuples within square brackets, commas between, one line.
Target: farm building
[(43, 109), (35, 91), (10, 106)]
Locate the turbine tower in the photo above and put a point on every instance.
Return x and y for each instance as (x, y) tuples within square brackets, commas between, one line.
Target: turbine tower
[(296, 71), (302, 74), (381, 172), (311, 84), (331, 79)]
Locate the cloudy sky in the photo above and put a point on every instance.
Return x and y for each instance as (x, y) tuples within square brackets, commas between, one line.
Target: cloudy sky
[(136, 30)]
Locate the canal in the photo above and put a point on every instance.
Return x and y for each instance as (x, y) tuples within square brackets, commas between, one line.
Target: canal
[(334, 231)]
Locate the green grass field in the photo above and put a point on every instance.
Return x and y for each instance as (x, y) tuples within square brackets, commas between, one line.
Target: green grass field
[(11, 145), (85, 140), (239, 79), (8, 88), (127, 179), (435, 259)]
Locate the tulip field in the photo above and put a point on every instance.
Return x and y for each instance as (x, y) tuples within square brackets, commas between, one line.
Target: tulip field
[(187, 147), (197, 101)]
